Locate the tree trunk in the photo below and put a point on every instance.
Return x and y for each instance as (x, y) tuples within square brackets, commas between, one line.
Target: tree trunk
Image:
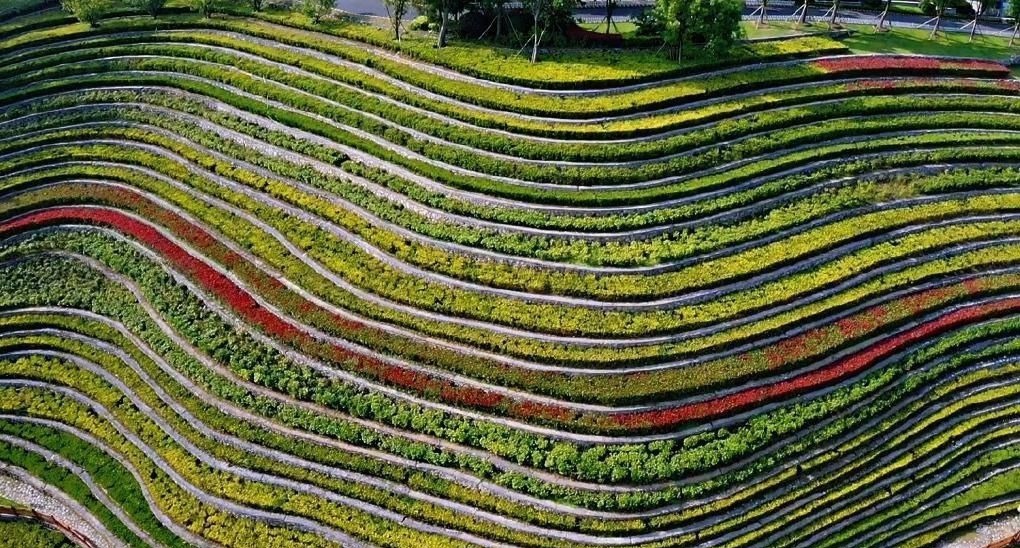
[(499, 21), (881, 17), (444, 22), (536, 13), (835, 10), (973, 29), (1012, 39), (761, 14), (938, 23), (803, 15)]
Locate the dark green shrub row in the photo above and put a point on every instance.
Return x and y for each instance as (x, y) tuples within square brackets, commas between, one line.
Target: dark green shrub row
[(773, 292), (88, 383), (212, 414), (642, 251), (669, 93), (41, 402), (274, 373), (33, 533), (182, 44), (829, 119)]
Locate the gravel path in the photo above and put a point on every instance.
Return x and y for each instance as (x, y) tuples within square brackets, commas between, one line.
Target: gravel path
[(272, 519), (370, 160), (887, 458), (19, 486), (988, 534), (567, 482), (468, 381), (681, 300), (332, 372)]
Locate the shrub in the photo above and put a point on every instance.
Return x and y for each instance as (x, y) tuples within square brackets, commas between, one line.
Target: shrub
[(86, 11)]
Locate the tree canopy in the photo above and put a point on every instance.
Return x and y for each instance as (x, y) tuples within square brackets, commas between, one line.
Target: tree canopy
[(711, 24)]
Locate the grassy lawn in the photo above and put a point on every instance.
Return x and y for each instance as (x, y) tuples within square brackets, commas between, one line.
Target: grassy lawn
[(555, 64), (866, 40), (774, 29), (625, 28)]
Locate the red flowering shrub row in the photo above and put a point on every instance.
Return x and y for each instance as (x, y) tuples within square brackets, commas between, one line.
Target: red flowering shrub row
[(799, 349), (242, 302), (920, 84), (851, 365), (899, 63)]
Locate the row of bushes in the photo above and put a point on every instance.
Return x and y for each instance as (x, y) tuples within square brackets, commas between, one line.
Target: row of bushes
[(47, 341), (568, 386), (765, 418), (556, 174), (610, 287), (555, 105), (683, 187), (651, 250), (985, 457), (72, 376), (27, 532), (211, 412), (862, 492), (774, 254), (281, 258), (212, 522), (192, 45), (516, 447)]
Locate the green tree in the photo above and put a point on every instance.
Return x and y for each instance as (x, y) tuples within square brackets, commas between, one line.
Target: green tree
[(982, 5), (152, 7), (256, 5), (316, 9), (715, 24), (1013, 12), (204, 7), (86, 11), (545, 14), (940, 10), (396, 9), (441, 10)]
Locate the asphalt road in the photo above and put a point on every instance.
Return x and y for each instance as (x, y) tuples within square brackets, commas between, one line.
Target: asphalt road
[(777, 11), (370, 7)]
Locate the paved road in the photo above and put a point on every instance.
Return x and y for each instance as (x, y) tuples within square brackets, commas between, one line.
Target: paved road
[(593, 11), (785, 11), (370, 7)]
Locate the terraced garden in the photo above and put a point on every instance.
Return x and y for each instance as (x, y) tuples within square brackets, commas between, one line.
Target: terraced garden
[(267, 285)]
